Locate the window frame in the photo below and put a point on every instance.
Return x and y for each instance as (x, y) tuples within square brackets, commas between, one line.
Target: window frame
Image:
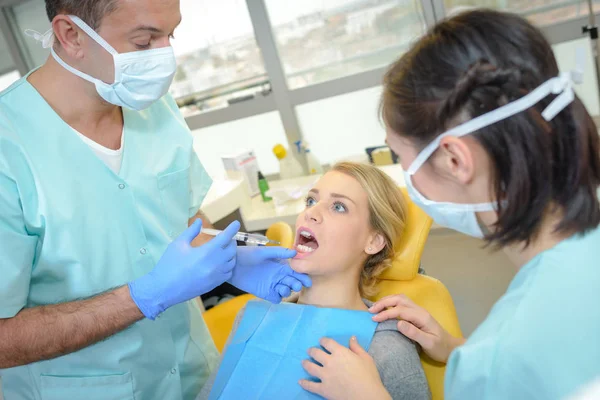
[(281, 98)]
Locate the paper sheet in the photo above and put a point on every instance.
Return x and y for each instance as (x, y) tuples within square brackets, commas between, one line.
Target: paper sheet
[(263, 360)]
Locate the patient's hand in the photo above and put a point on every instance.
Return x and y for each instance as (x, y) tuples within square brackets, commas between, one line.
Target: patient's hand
[(345, 373), (417, 324)]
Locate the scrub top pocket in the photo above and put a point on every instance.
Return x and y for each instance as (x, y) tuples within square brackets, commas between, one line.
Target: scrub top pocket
[(174, 188), (110, 387)]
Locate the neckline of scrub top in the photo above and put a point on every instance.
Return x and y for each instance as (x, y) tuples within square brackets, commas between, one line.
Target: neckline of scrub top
[(97, 146), (76, 141)]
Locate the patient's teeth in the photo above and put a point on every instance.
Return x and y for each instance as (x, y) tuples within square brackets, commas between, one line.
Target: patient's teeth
[(306, 234), (305, 249)]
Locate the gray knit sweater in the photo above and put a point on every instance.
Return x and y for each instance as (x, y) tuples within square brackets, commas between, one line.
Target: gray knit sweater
[(396, 358)]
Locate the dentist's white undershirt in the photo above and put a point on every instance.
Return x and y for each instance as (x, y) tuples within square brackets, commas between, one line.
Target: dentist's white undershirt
[(112, 158)]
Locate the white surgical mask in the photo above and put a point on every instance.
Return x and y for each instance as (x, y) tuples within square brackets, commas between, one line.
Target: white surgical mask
[(462, 217), (141, 77)]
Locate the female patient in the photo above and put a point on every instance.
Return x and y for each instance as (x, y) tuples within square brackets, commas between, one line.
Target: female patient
[(345, 240)]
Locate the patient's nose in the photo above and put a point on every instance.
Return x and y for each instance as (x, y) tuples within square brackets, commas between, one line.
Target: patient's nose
[(313, 214)]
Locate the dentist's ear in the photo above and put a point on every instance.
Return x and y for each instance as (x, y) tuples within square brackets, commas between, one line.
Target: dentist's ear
[(456, 158), (375, 244), (68, 35)]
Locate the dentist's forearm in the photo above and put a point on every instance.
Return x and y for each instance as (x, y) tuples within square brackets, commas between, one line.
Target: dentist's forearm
[(46, 332)]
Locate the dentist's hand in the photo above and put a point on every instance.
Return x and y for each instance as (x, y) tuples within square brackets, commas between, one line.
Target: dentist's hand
[(417, 324), (185, 272), (265, 273)]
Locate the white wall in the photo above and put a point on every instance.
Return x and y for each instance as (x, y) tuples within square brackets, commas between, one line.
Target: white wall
[(344, 125), (259, 133), (8, 79), (588, 90), (32, 15)]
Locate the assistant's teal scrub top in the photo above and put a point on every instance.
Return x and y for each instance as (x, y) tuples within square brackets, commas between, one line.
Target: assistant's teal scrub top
[(542, 338), (71, 228)]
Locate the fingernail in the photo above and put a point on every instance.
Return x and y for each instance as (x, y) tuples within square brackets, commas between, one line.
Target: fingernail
[(353, 338)]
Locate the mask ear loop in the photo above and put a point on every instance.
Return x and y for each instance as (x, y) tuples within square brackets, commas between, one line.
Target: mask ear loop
[(98, 39), (564, 87), (93, 34), (46, 39)]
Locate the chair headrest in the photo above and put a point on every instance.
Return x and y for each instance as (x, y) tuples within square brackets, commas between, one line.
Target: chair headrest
[(410, 247)]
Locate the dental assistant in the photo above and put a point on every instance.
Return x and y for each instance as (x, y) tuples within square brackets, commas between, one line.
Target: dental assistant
[(495, 145), (98, 176)]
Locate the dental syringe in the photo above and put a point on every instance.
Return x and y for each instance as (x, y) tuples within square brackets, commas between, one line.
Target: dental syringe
[(248, 238)]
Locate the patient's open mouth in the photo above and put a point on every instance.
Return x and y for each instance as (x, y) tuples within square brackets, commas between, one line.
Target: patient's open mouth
[(306, 242)]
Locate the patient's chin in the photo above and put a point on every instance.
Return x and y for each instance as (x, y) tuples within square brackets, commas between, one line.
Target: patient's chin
[(301, 266)]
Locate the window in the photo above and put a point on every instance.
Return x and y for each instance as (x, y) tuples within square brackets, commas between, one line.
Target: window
[(540, 12), (31, 14), (8, 79), (8, 73), (218, 59), (342, 127), (6, 61), (322, 40)]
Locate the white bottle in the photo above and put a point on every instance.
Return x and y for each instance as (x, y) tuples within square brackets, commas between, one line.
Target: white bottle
[(314, 165), (288, 166)]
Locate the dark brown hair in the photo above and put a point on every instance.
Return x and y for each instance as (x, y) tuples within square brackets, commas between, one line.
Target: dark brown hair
[(90, 11), (476, 62)]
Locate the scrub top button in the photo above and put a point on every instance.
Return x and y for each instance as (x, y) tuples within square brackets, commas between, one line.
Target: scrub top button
[(143, 251), (174, 371), (121, 186)]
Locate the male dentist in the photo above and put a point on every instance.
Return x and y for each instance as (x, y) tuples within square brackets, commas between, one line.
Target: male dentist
[(97, 178)]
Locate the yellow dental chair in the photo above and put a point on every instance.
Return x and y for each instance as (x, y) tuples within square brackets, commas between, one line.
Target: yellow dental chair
[(425, 291), (402, 277)]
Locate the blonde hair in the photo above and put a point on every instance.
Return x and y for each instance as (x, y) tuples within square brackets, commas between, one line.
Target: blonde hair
[(387, 216)]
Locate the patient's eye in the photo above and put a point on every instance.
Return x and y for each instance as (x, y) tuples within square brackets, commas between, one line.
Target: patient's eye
[(310, 201), (339, 207)]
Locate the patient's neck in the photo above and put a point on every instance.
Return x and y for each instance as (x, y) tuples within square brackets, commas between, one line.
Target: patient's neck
[(333, 291)]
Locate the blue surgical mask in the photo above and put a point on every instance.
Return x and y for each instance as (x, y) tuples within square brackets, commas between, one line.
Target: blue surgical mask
[(463, 217), (141, 77)]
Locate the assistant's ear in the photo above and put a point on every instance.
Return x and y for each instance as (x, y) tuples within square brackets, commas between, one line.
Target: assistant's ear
[(69, 37), (375, 243), (456, 158)]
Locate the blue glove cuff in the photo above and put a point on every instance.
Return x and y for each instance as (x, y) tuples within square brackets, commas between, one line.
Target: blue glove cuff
[(143, 296)]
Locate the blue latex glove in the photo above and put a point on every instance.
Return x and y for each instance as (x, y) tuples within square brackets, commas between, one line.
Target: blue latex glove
[(185, 272), (265, 273)]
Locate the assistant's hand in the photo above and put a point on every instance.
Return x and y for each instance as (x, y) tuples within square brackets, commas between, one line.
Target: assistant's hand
[(417, 324), (185, 272), (265, 273), (345, 374)]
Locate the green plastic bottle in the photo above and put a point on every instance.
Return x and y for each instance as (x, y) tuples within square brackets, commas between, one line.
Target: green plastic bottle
[(263, 186)]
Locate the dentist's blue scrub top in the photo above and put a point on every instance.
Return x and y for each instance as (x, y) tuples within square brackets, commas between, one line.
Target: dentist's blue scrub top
[(542, 339), (71, 228)]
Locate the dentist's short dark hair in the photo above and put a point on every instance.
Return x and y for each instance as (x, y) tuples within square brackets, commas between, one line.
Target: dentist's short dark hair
[(90, 11), (473, 63)]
